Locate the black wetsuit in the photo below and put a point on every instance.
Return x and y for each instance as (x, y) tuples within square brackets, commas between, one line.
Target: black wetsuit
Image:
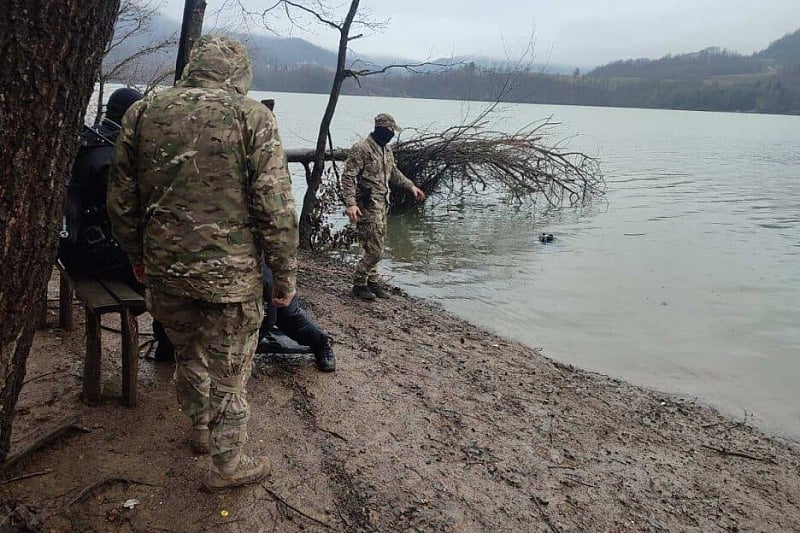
[(291, 320)]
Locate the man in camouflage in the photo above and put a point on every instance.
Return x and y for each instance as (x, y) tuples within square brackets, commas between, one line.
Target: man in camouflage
[(369, 170), (200, 190)]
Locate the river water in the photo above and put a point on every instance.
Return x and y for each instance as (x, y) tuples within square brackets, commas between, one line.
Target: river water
[(685, 278)]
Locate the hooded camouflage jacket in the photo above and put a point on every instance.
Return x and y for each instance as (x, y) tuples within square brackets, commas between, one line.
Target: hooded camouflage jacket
[(200, 188), (368, 171)]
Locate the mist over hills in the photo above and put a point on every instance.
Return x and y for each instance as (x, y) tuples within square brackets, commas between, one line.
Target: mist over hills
[(284, 53), (712, 79)]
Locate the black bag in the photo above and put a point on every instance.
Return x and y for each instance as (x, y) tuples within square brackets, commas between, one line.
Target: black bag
[(87, 245)]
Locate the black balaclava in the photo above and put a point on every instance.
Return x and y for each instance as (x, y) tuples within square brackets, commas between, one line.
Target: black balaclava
[(382, 135), (119, 102)]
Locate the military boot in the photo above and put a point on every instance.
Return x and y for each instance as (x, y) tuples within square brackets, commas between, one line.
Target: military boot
[(325, 358), (363, 292), (239, 471), (199, 435), (377, 289)]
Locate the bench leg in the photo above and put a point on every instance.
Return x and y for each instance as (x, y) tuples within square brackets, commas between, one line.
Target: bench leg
[(65, 319), (41, 312), (91, 365), (130, 357)]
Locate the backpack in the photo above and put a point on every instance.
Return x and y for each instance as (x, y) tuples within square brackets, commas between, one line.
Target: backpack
[(87, 245)]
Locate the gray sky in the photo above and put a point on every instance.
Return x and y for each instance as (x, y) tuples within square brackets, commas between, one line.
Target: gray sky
[(573, 32)]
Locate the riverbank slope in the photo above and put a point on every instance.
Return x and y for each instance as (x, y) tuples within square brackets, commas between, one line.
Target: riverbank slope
[(429, 424)]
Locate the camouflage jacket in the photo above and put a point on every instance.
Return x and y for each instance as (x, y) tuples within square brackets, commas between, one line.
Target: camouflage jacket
[(200, 191), (368, 171)]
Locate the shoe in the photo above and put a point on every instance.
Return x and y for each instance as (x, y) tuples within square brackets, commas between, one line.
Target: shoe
[(377, 290), (363, 292), (240, 471), (198, 440), (325, 358)]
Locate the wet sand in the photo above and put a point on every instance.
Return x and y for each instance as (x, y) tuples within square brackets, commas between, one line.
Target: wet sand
[(429, 424)]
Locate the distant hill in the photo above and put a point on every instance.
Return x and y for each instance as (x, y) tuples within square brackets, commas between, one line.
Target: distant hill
[(711, 79), (287, 52), (270, 52), (785, 51), (708, 63), (696, 65)]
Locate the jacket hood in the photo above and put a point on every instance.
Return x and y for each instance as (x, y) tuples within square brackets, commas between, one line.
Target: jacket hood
[(218, 62)]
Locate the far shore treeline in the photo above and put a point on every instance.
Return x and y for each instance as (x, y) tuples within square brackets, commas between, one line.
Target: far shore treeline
[(713, 79)]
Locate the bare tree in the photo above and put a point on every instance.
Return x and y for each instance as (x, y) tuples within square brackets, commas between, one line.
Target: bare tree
[(54, 48), (134, 29), (521, 165), (321, 13), (474, 157), (301, 14), (193, 13)]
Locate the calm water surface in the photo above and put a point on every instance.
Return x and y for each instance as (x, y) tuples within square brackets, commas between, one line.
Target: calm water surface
[(686, 278)]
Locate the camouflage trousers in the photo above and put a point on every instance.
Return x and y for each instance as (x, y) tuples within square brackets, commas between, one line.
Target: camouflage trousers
[(214, 347), (371, 231)]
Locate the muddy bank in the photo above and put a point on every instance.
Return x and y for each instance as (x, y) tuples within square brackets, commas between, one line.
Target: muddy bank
[(429, 424)]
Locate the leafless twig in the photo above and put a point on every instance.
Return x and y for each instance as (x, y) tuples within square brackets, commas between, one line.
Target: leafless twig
[(277, 498), (103, 483), (743, 455), (26, 476)]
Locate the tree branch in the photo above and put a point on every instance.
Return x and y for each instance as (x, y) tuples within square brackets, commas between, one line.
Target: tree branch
[(314, 13), (410, 67)]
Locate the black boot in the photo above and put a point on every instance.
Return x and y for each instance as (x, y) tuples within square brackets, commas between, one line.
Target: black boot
[(324, 356), (377, 289), (363, 292), (268, 344)]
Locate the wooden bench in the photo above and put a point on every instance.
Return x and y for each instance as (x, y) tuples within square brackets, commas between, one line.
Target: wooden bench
[(101, 296)]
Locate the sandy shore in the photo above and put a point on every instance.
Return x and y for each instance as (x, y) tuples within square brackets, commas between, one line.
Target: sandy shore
[(429, 424)]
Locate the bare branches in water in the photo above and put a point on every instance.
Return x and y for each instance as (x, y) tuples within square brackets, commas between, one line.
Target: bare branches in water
[(519, 165)]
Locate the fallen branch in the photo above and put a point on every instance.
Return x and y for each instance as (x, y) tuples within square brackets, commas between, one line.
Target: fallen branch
[(332, 434), (520, 165), (743, 455), (105, 482), (295, 509), (68, 425), (26, 476)]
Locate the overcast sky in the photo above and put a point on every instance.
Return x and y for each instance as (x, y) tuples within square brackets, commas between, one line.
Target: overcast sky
[(572, 32)]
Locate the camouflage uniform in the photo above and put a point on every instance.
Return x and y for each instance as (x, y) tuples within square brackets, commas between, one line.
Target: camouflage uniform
[(369, 170), (200, 189)]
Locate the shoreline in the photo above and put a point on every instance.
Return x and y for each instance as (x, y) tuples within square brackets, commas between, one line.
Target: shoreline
[(771, 429), (429, 424)]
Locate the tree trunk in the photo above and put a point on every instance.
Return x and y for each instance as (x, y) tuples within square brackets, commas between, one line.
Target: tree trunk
[(315, 178), (50, 54), (192, 27)]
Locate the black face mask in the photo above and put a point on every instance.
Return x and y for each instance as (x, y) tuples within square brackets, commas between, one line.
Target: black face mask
[(382, 135)]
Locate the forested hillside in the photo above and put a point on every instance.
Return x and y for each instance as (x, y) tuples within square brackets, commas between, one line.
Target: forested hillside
[(703, 64), (711, 79), (711, 62), (785, 51)]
